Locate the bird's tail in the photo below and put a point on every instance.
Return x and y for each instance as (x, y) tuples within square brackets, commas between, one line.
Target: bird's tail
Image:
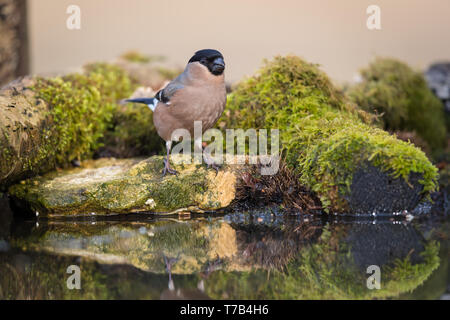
[(150, 102)]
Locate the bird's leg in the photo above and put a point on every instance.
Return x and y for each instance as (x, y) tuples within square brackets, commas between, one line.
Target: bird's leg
[(214, 166), (167, 168), (169, 262), (200, 145), (209, 160)]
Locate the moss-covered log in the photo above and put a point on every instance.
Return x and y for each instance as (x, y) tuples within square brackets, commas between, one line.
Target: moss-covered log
[(336, 152), (45, 123)]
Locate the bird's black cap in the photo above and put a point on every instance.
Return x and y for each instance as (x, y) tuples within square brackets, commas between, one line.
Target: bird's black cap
[(205, 54)]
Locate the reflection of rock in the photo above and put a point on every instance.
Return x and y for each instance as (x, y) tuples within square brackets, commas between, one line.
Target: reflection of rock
[(383, 243), (43, 276), (212, 258), (189, 247), (334, 267), (183, 294), (5, 217), (122, 186), (270, 247)]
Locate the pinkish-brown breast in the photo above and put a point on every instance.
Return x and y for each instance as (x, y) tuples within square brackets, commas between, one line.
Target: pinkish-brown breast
[(203, 98)]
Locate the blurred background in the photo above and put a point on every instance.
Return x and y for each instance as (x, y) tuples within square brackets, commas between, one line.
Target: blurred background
[(329, 32)]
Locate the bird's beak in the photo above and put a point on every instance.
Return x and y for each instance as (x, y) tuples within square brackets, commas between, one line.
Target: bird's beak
[(218, 65)]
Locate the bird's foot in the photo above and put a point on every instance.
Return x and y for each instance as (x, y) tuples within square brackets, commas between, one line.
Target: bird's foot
[(168, 169), (214, 166)]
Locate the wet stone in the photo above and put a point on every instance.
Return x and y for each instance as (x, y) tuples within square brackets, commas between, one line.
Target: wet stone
[(111, 186), (374, 191)]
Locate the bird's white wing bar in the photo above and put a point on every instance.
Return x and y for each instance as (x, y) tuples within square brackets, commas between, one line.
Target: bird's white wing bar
[(153, 105)]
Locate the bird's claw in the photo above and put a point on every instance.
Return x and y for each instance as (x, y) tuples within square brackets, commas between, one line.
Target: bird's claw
[(214, 166), (168, 169)]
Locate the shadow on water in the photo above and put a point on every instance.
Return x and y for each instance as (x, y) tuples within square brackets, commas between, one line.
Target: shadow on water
[(261, 254)]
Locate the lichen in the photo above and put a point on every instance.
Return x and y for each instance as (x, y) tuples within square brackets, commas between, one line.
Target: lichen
[(323, 136), (401, 96)]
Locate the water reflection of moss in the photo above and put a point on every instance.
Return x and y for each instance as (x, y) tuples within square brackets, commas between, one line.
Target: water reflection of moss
[(327, 268), (42, 276), (405, 276), (437, 284), (45, 278), (324, 270)]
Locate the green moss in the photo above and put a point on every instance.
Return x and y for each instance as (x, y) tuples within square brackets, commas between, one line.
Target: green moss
[(323, 136), (132, 133), (400, 94), (179, 192), (169, 74), (137, 57), (81, 107)]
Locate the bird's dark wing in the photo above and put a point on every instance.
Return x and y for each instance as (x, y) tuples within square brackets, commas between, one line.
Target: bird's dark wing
[(165, 94)]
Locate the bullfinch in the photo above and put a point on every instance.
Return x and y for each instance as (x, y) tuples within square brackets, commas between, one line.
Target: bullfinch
[(197, 94)]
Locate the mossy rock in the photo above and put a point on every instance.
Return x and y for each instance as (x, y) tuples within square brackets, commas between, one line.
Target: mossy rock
[(330, 142), (402, 97), (109, 186)]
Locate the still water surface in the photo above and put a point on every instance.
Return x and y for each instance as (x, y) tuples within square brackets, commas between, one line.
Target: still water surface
[(257, 255)]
